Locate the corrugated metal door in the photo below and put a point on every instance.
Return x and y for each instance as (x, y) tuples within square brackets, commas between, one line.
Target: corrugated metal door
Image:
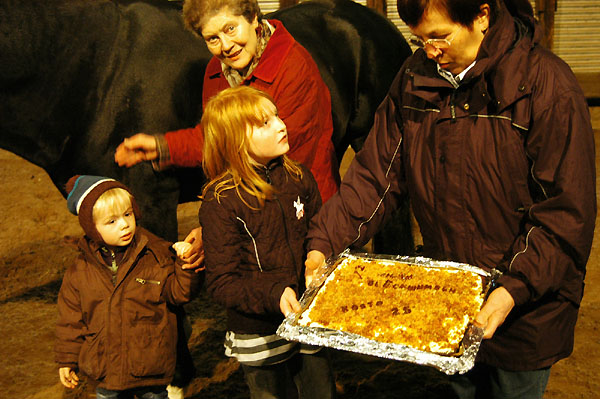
[(576, 30), (267, 6), (577, 34)]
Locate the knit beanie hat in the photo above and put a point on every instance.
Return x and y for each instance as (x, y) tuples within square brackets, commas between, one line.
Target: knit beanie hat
[(84, 191)]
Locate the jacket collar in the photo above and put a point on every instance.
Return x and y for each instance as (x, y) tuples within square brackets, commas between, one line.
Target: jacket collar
[(268, 168), (272, 58), (91, 250)]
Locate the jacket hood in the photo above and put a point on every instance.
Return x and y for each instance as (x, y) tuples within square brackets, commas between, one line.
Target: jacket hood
[(520, 9), (510, 36), (511, 25), (503, 36)]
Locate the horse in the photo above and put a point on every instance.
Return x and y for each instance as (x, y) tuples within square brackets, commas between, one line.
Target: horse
[(79, 76)]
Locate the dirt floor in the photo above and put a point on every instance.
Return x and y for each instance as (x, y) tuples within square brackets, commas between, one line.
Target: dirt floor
[(33, 257)]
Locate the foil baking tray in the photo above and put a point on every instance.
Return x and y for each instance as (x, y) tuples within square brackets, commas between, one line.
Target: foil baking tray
[(460, 363)]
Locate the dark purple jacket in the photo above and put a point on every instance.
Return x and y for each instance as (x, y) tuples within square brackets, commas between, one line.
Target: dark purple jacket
[(500, 174), (253, 255)]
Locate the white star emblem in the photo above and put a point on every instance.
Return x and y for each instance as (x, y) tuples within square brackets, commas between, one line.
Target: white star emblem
[(299, 208)]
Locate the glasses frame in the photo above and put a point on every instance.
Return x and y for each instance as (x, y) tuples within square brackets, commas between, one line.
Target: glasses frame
[(437, 44)]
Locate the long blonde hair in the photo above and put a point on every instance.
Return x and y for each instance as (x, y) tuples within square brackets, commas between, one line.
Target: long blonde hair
[(227, 118)]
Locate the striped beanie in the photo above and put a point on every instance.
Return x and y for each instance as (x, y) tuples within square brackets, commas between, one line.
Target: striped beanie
[(84, 191)]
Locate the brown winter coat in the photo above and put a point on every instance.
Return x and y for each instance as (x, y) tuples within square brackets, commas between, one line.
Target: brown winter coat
[(122, 335), (253, 255), (500, 173)]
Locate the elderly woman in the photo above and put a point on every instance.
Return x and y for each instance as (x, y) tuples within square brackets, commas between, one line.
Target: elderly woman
[(489, 135), (249, 50), (252, 51)]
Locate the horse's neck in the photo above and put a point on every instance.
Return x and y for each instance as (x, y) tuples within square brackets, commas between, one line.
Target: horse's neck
[(53, 46)]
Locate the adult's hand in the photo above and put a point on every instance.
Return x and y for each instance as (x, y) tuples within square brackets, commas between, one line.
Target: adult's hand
[(288, 302), (194, 257), (494, 311), (314, 260), (68, 377), (137, 148)]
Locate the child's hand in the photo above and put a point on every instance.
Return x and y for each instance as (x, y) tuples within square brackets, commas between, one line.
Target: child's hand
[(68, 377), (314, 260), (288, 302), (182, 248)]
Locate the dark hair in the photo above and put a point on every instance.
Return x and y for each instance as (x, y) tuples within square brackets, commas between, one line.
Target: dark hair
[(196, 12), (462, 12)]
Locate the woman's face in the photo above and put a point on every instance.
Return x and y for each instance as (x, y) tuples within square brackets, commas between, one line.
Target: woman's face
[(231, 38), (465, 41)]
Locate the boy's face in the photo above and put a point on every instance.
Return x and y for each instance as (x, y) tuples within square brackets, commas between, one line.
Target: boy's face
[(117, 229)]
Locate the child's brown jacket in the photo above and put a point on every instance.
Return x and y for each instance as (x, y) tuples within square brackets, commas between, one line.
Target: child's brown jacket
[(123, 335)]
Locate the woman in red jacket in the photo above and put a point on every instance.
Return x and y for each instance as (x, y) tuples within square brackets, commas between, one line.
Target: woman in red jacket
[(249, 50)]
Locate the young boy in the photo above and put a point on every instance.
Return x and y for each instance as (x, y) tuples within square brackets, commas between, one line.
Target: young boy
[(116, 324)]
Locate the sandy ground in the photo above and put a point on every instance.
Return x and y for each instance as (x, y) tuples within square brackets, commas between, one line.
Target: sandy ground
[(33, 257)]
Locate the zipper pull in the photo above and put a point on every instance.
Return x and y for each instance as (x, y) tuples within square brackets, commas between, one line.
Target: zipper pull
[(268, 176), (144, 281), (452, 107), (113, 267)]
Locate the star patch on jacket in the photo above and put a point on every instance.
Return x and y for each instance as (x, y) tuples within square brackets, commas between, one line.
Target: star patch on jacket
[(299, 208)]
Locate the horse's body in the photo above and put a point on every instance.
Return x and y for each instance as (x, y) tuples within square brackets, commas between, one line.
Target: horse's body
[(78, 76)]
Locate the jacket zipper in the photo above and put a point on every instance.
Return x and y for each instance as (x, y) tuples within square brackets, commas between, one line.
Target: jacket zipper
[(285, 227), (144, 281), (113, 266), (452, 106)]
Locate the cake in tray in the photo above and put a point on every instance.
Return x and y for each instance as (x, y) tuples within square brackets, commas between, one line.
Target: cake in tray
[(426, 308)]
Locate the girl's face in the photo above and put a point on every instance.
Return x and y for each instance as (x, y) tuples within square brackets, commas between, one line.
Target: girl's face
[(269, 140), (231, 38)]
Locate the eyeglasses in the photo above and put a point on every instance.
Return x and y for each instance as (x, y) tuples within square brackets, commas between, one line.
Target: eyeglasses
[(436, 44)]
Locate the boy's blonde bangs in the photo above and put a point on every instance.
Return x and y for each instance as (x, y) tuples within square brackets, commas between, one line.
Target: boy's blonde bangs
[(112, 202)]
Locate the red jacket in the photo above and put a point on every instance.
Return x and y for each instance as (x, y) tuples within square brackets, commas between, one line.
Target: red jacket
[(288, 73), (500, 173)]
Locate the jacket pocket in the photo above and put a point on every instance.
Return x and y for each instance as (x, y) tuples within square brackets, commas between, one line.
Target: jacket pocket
[(152, 349), (92, 357), (144, 297)]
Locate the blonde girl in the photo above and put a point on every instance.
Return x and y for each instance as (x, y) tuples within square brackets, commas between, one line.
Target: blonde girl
[(255, 214)]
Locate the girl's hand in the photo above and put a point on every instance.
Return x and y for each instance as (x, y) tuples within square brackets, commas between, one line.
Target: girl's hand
[(288, 302), (314, 260), (68, 377)]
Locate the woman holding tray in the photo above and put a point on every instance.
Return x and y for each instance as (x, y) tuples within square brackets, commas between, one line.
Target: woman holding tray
[(490, 136)]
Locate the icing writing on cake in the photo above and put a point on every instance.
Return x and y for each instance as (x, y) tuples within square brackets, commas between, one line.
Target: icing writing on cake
[(427, 308)]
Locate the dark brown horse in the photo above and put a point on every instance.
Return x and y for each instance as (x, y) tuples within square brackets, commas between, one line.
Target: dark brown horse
[(78, 76)]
